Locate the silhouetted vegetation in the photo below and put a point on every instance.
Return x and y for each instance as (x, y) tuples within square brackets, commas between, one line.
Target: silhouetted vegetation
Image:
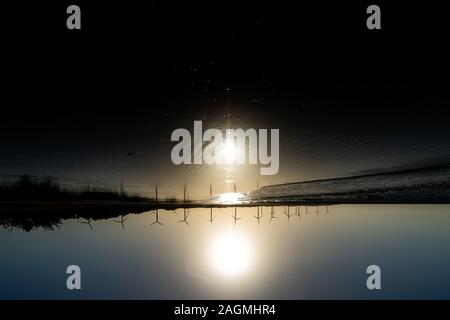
[(27, 223), (27, 188)]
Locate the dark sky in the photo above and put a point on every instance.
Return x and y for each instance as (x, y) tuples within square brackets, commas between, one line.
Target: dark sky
[(101, 103)]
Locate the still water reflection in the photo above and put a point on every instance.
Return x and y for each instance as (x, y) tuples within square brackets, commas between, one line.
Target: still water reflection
[(284, 254)]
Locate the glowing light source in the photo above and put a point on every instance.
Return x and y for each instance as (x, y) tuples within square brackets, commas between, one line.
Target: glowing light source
[(229, 151), (230, 197), (231, 255)]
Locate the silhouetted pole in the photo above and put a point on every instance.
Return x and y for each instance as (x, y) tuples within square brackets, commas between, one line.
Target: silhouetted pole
[(272, 213), (157, 218), (258, 215), (156, 192), (235, 209), (235, 216), (185, 216), (287, 212), (210, 209), (121, 221), (121, 189)]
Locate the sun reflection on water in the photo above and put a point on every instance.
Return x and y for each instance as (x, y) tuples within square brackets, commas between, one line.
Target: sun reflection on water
[(230, 197)]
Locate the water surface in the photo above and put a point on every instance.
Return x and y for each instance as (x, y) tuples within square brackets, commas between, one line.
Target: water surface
[(311, 255)]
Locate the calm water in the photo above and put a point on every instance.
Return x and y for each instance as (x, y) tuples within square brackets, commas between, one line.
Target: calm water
[(316, 255)]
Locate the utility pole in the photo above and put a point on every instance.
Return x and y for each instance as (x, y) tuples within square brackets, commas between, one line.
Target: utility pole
[(210, 209)]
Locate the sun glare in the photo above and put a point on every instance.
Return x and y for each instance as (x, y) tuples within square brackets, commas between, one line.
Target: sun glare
[(230, 197), (229, 151), (231, 255)]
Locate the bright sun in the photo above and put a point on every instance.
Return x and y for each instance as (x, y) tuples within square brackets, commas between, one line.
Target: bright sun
[(231, 255), (229, 151)]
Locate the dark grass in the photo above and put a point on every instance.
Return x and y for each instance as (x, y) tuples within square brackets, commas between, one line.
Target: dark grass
[(28, 188)]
